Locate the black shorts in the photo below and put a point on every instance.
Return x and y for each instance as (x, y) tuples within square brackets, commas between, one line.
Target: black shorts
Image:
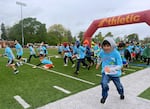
[(19, 57), (10, 61), (59, 52)]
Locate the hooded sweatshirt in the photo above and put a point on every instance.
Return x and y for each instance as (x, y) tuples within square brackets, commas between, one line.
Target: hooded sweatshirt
[(112, 59), (146, 52)]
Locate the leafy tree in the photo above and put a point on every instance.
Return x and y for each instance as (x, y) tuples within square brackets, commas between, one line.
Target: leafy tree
[(4, 33), (61, 33), (118, 39), (34, 31), (133, 37), (80, 35), (69, 36), (98, 37), (146, 40), (52, 38), (109, 34)]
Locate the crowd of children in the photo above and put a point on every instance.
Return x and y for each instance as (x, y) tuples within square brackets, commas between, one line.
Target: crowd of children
[(111, 56), (42, 53)]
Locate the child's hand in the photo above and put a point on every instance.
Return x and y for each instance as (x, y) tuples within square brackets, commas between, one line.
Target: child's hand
[(107, 69), (97, 66), (74, 56)]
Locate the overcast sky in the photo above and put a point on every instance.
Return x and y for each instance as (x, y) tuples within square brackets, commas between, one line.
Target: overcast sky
[(76, 15)]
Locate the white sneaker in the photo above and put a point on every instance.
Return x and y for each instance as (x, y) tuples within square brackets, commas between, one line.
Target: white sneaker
[(25, 60), (65, 65), (34, 67), (15, 72), (21, 63), (17, 64), (73, 65)]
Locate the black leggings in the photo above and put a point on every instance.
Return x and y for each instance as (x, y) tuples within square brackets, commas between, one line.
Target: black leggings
[(65, 60), (31, 57), (78, 64)]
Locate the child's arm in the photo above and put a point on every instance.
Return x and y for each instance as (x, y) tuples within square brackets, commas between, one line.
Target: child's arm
[(98, 63), (97, 66), (39, 64), (119, 64), (118, 67)]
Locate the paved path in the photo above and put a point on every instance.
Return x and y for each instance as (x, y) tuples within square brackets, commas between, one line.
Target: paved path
[(134, 84)]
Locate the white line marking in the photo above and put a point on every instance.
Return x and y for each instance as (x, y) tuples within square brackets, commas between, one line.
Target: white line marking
[(129, 69), (24, 104), (78, 79), (99, 75), (62, 74), (136, 67), (62, 89)]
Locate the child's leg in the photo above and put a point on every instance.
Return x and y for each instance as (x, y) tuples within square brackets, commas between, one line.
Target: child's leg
[(116, 81), (71, 60), (30, 58), (34, 56), (78, 66), (83, 62), (12, 65), (148, 61), (65, 59), (144, 59), (104, 84)]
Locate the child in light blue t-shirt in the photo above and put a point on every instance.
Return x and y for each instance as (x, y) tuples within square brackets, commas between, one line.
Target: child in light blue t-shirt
[(111, 68)]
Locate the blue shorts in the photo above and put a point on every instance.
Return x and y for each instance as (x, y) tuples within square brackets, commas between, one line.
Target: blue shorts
[(124, 62)]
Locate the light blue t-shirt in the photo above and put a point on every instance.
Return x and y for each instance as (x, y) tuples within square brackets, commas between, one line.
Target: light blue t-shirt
[(122, 55), (137, 49), (130, 48), (113, 58), (9, 53), (67, 51), (142, 49), (45, 50), (46, 61), (81, 52), (32, 51), (74, 49), (19, 49), (60, 48)]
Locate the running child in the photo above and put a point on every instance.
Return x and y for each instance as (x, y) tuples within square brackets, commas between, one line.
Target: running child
[(80, 57), (11, 57), (45, 62), (111, 68), (67, 54), (32, 52), (19, 51)]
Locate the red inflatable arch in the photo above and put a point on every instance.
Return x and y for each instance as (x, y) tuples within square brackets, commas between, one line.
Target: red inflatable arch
[(138, 17)]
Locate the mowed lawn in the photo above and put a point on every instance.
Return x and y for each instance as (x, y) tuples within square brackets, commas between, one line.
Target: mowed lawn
[(145, 94), (35, 86)]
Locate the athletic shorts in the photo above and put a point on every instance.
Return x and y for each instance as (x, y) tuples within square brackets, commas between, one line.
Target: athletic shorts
[(19, 57), (124, 62), (48, 66), (10, 61), (59, 52)]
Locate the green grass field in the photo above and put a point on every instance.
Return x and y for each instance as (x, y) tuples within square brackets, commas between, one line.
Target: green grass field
[(145, 94), (35, 86)]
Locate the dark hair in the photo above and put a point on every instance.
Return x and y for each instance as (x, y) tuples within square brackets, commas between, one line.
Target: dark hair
[(105, 42), (121, 44), (127, 42)]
